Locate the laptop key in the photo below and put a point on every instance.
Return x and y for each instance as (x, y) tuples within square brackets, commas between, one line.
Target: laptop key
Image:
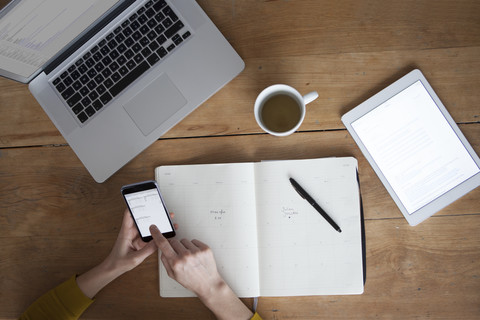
[(101, 89), (106, 72), (112, 44), (99, 78), (138, 58), (90, 111), (84, 79), (68, 93), (121, 48), (90, 62), (177, 39), (131, 64), (91, 85), (153, 58), (162, 52), (97, 105), (135, 25), (86, 102), (60, 86), (74, 99), (146, 52), (84, 91), (129, 78), (75, 75), (169, 12), (93, 95), (159, 17), (108, 83), (123, 70), (114, 54), (159, 5), (127, 32), (106, 61), (142, 19), (174, 29), (105, 98), (121, 60), (116, 76), (153, 45), (167, 23), (129, 53), (161, 40), (150, 13), (82, 117), (78, 107), (82, 69), (77, 85), (68, 81), (105, 50)]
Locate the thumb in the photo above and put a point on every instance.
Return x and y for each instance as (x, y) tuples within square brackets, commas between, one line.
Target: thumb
[(143, 253)]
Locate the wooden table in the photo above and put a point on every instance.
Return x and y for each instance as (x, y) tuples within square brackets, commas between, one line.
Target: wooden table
[(56, 221)]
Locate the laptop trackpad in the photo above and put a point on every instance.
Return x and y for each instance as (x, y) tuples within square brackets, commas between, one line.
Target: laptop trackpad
[(155, 104)]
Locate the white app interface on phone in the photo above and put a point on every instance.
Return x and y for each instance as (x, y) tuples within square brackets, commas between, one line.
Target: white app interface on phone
[(147, 209)]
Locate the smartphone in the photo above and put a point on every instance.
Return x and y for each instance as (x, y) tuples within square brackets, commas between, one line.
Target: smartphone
[(147, 207)]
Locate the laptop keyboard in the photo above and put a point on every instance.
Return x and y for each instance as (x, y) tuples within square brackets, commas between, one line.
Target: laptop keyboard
[(137, 44)]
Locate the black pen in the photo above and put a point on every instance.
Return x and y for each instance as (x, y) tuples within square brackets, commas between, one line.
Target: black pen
[(310, 200)]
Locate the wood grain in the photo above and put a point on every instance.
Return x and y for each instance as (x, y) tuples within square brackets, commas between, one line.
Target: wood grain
[(55, 221)]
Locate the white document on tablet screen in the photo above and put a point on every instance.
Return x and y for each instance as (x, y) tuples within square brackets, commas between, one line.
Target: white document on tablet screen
[(415, 147)]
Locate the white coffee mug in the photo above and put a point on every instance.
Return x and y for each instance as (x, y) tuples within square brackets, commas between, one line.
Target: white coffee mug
[(275, 91)]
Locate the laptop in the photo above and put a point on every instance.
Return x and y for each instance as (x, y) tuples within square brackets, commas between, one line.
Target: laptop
[(114, 75)]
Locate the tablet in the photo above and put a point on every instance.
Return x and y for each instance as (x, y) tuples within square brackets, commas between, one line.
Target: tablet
[(415, 147)]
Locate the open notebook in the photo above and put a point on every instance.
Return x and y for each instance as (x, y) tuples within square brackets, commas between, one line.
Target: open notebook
[(266, 239)]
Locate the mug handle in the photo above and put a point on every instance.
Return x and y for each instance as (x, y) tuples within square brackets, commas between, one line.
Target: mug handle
[(309, 97)]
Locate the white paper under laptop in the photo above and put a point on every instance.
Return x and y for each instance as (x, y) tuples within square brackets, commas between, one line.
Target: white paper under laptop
[(114, 75)]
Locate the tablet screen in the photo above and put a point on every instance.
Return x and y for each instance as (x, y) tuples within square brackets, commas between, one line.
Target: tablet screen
[(415, 147)]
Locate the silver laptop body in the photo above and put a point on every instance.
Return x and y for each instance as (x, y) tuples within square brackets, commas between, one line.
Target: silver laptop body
[(125, 116)]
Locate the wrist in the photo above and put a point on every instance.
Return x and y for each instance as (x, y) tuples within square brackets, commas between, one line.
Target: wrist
[(211, 294), (95, 279), (111, 268), (224, 303)]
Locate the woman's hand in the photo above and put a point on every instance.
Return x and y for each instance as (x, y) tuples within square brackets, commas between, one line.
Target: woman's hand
[(191, 263), (128, 252)]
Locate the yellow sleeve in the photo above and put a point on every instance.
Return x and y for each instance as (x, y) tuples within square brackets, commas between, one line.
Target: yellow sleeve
[(256, 316), (65, 302)]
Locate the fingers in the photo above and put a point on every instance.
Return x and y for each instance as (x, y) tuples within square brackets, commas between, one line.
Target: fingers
[(161, 242), (127, 221), (190, 245), (200, 244), (144, 252), (174, 247)]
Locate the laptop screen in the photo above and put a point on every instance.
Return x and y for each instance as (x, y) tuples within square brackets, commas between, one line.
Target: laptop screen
[(34, 31)]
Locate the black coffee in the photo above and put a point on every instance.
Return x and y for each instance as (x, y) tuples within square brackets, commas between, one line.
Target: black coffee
[(280, 113)]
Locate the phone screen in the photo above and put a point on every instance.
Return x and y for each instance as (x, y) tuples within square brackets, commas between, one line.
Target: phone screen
[(147, 208)]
